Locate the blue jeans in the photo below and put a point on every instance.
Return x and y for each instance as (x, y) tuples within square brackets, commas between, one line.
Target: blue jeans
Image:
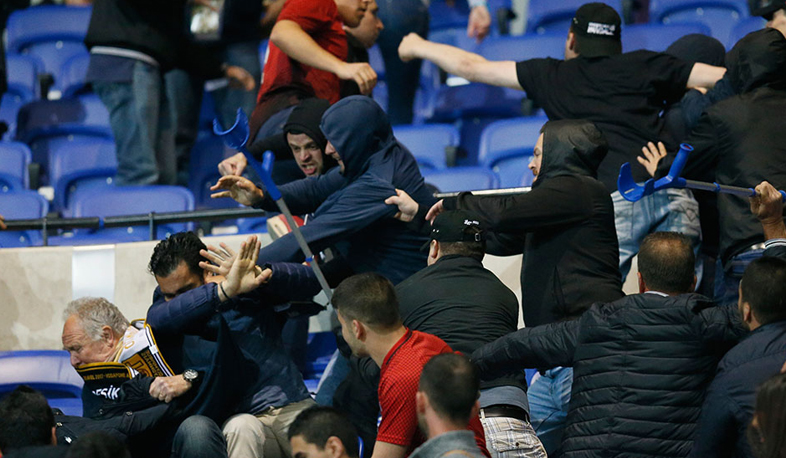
[(401, 17), (673, 210), (142, 127), (336, 372), (727, 281), (199, 437), (549, 397)]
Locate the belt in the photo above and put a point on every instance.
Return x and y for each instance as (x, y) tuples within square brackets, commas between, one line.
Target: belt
[(504, 410)]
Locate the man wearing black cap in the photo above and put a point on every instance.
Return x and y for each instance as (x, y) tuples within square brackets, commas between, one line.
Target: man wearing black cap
[(623, 94), (458, 300), (774, 11)]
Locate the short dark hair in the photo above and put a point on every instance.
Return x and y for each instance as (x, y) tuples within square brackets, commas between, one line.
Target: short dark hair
[(369, 298), (667, 262), (763, 286), (476, 250), (319, 423), (167, 255), (452, 384), (98, 444), (25, 420)]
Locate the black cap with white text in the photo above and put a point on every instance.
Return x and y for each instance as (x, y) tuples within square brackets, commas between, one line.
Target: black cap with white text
[(598, 30)]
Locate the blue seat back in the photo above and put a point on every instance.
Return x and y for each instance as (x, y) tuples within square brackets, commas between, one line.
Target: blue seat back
[(721, 16), (462, 179), (10, 104), (545, 16), (22, 205), (509, 137), (15, 157), (206, 153), (46, 24), (82, 164), (73, 75), (658, 37), (133, 200), (48, 371), (428, 142), (22, 76), (743, 28)]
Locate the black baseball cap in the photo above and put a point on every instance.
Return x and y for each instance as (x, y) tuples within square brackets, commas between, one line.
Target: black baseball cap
[(456, 226), (598, 30), (766, 8)]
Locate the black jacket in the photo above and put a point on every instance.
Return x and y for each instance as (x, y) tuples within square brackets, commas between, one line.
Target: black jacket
[(157, 29), (641, 365), (564, 226), (741, 141)]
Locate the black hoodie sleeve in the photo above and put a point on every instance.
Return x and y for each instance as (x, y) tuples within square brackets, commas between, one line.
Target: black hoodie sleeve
[(703, 160), (557, 201)]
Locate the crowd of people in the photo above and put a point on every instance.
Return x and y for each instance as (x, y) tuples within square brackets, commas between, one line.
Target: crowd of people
[(430, 360)]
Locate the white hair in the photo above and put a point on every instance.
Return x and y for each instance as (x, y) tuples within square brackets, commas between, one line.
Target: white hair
[(94, 313)]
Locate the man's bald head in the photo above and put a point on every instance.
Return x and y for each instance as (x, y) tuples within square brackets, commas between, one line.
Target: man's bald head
[(666, 262)]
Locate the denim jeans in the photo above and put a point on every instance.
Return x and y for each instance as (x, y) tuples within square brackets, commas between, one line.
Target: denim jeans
[(727, 281), (401, 17), (549, 397), (142, 127), (673, 210), (335, 373), (511, 438), (199, 437)]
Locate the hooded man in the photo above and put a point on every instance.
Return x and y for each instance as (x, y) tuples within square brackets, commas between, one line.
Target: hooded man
[(741, 141), (347, 202), (565, 228)]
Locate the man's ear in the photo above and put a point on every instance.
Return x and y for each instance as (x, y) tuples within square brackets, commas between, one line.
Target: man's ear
[(359, 330), (433, 249), (572, 41), (421, 402), (54, 437), (335, 447), (107, 335), (747, 312), (642, 283)]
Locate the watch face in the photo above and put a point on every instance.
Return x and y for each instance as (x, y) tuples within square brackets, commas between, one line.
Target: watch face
[(190, 375)]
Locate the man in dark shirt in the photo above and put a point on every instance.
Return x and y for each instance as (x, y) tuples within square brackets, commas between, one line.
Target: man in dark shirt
[(623, 94)]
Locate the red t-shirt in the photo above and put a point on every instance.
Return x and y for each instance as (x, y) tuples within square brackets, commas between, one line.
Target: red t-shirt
[(398, 384), (319, 19)]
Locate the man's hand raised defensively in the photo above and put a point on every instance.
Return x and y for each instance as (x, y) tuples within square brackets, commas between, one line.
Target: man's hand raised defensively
[(407, 207), (167, 388), (221, 260), (234, 165), (243, 276), (651, 156), (361, 73), (243, 190), (407, 50)]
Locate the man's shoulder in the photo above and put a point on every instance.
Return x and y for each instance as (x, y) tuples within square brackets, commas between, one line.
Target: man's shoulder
[(767, 342)]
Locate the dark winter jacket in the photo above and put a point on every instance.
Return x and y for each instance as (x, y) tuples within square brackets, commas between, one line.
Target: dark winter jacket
[(349, 209), (564, 226), (641, 365), (157, 29), (187, 327), (741, 141)]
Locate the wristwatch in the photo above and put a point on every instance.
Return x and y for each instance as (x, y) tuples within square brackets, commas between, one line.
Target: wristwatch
[(190, 376)]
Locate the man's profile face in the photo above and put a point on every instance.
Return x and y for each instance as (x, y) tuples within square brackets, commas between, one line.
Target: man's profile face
[(368, 30), (303, 449), (181, 279), (330, 150), (537, 158), (351, 11), (81, 348), (307, 154), (347, 331)]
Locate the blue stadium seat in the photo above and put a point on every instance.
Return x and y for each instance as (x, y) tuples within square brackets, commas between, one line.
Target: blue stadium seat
[(428, 143), (48, 371), (721, 16), (455, 36), (506, 148), (130, 200), (22, 76), (43, 124), (743, 28), (443, 16), (205, 155), (21, 205), (83, 165), (73, 75), (658, 37), (252, 225), (524, 47), (462, 179), (545, 16), (51, 34), (15, 157), (10, 104), (376, 62)]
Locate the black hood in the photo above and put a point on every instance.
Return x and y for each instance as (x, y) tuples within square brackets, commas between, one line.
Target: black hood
[(758, 60), (358, 129), (699, 48), (571, 147)]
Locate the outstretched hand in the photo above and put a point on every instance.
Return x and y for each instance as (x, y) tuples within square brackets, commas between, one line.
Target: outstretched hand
[(407, 49), (220, 259), (435, 210), (243, 276), (243, 190), (234, 165), (407, 206), (651, 157)]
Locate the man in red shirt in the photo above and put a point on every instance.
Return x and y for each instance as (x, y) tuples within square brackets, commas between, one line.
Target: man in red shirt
[(306, 58), (368, 310)]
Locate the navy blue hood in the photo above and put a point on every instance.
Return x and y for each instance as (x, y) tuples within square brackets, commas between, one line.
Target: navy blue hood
[(358, 128)]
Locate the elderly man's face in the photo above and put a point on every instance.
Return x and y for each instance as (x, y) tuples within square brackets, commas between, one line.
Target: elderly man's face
[(82, 348)]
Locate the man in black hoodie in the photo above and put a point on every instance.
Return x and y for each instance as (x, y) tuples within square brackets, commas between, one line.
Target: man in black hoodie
[(565, 228)]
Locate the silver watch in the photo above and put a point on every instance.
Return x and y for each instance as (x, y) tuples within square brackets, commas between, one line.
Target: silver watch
[(190, 375)]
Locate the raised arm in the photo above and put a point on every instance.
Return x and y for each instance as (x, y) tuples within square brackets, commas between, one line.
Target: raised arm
[(289, 37), (703, 75), (459, 62)]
